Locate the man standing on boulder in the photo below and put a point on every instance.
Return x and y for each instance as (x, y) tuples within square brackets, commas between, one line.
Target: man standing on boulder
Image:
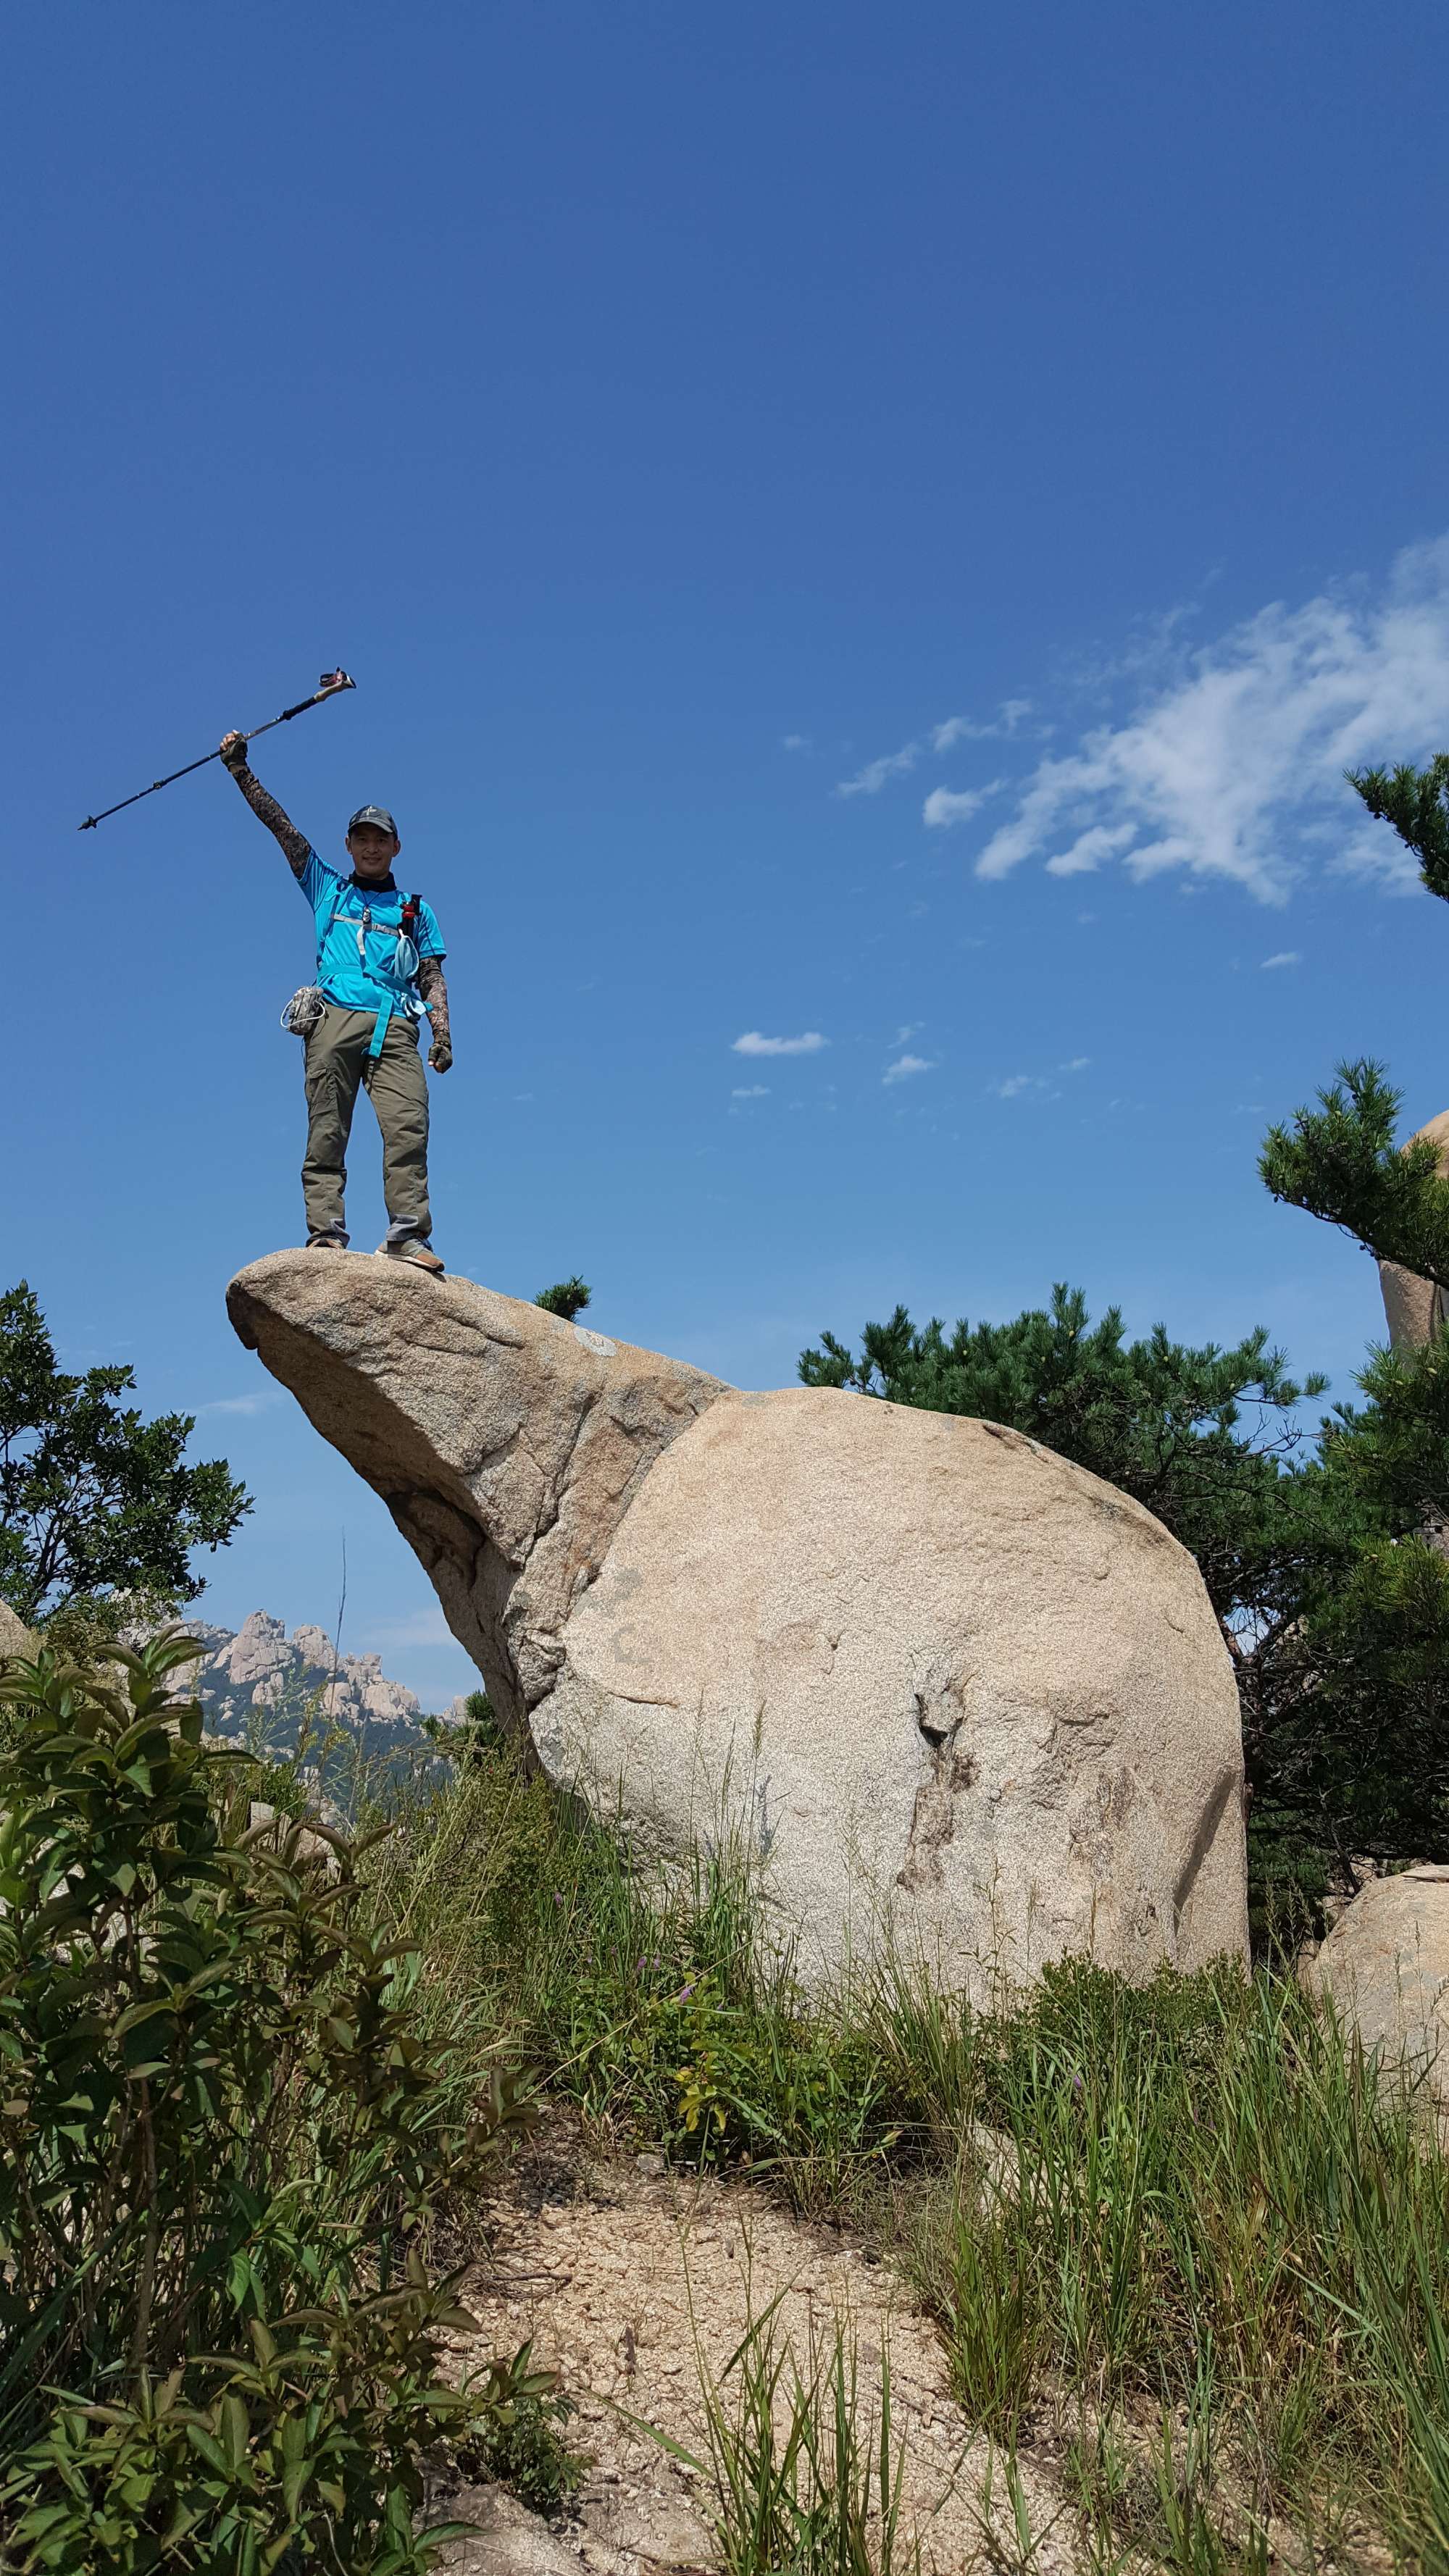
[(379, 973)]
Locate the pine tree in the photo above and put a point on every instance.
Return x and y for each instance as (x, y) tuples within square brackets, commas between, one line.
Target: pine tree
[(1340, 1161), (1376, 1646)]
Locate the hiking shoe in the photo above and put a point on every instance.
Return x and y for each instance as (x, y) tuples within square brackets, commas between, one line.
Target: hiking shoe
[(328, 1242), (415, 1249)]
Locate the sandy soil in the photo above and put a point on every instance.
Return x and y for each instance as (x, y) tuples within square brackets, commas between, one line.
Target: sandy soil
[(634, 2284)]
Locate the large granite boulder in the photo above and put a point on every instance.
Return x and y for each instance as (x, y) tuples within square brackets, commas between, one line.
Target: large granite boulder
[(1385, 1965), (928, 1674)]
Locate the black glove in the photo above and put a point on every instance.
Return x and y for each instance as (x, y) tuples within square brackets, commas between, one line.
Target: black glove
[(234, 752)]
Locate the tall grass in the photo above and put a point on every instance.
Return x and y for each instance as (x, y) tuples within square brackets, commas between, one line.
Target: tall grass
[(1197, 2202), (807, 2478)]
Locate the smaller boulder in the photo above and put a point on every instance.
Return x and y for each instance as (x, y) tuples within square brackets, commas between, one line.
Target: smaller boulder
[(505, 2539), (15, 1639), (1417, 1308), (1385, 1967), (273, 1827)]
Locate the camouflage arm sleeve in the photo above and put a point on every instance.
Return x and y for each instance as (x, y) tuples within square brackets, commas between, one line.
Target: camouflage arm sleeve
[(434, 991), (296, 845)]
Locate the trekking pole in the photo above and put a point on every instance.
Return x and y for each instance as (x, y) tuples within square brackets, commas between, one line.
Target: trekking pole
[(332, 684)]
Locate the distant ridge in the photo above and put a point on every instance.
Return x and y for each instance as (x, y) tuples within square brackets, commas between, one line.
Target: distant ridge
[(259, 1685)]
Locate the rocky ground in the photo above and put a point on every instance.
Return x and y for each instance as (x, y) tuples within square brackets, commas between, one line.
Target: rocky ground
[(636, 2286)]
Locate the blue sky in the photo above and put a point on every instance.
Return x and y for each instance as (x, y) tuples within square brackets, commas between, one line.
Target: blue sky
[(872, 528)]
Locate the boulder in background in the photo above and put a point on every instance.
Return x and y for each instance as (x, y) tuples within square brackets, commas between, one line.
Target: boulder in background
[(1385, 1966)]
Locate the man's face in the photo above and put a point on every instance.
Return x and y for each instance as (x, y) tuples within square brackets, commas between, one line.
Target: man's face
[(372, 853)]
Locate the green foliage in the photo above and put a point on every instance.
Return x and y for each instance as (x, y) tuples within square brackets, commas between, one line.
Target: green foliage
[(1199, 2192), (224, 2133), (520, 2442), (1413, 800), (568, 1297), (1067, 1382), (1369, 1732), (1395, 1454), (1196, 2196), (666, 2010), (1340, 1162), (1364, 1673), (990, 2297), (1367, 1667), (480, 1738), (94, 1500)]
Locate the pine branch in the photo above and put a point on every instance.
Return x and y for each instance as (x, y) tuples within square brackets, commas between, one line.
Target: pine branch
[(567, 1297), (1413, 800), (1340, 1162)]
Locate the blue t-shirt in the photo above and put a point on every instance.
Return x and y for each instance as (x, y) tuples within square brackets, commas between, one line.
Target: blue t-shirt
[(357, 936)]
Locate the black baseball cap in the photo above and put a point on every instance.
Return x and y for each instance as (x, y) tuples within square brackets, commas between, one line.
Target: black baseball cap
[(378, 816)]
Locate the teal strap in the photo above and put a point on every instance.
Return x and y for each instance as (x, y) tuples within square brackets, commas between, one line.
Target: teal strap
[(380, 1026)]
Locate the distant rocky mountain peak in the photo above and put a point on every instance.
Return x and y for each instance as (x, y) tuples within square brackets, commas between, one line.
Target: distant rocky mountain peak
[(258, 1681)]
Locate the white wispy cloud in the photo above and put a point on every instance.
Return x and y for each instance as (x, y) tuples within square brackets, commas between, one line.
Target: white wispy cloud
[(751, 1091), (895, 764), (904, 1067), (794, 742), (1234, 767), (1281, 957), (1035, 1086), (870, 780), (1101, 841), (752, 1043), (962, 729), (909, 1029), (245, 1404), (947, 805)]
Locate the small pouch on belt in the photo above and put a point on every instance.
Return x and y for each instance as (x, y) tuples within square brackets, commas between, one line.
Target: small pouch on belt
[(306, 1009)]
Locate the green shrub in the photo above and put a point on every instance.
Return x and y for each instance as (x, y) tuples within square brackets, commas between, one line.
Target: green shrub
[(521, 2440), (224, 2134), (567, 1297)]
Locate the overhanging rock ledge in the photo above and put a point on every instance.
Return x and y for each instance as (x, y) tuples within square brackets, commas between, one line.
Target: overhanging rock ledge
[(506, 1444)]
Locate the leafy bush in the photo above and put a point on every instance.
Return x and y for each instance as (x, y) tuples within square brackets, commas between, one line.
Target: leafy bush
[(521, 2441), (224, 2134), (96, 1504)]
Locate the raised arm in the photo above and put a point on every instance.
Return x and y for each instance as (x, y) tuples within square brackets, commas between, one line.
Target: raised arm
[(297, 847), (434, 990)]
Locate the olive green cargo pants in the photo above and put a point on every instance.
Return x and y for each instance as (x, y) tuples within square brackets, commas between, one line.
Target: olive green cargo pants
[(397, 1086)]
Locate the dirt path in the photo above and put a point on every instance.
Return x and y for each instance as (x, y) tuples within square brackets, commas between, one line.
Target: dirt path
[(630, 2282)]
